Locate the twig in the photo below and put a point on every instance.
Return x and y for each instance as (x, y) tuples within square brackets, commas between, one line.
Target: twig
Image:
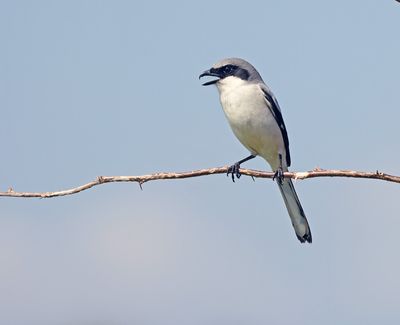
[(202, 172)]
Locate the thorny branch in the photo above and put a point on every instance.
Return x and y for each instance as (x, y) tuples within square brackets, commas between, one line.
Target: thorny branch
[(202, 172)]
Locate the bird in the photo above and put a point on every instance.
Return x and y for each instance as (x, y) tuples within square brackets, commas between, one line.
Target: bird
[(256, 120)]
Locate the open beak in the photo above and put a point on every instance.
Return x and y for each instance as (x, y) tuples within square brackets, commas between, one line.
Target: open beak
[(211, 74)]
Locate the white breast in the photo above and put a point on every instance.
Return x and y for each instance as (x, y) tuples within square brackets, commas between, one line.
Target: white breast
[(251, 120)]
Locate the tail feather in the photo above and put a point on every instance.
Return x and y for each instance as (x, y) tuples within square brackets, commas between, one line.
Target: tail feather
[(296, 212)]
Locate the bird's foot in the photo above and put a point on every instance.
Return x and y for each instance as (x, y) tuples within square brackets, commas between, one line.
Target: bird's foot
[(278, 175), (234, 170)]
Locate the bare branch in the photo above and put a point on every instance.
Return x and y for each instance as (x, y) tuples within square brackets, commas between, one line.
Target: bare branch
[(202, 172)]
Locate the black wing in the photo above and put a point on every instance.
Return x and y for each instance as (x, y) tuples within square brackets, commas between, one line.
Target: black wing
[(276, 112)]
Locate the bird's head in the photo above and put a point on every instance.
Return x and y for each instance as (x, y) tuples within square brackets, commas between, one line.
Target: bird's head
[(232, 67)]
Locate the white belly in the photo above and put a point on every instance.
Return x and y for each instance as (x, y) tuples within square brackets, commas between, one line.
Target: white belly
[(251, 120)]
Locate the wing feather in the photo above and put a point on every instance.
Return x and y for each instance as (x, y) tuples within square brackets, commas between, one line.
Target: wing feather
[(276, 112)]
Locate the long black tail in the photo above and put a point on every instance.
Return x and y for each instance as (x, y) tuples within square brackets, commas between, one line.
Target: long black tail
[(296, 213)]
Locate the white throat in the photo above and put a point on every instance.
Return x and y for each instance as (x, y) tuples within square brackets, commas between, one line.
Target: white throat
[(229, 84)]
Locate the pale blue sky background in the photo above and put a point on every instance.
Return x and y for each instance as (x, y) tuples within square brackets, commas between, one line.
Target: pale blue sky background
[(92, 88)]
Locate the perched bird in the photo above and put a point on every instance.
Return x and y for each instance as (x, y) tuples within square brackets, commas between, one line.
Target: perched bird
[(255, 118)]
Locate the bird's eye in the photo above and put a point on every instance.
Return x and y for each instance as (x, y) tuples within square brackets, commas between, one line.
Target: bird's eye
[(229, 69)]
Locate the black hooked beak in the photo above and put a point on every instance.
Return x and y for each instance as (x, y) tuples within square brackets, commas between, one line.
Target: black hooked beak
[(210, 73)]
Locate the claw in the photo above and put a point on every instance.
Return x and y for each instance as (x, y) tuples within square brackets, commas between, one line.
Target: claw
[(234, 170), (278, 175)]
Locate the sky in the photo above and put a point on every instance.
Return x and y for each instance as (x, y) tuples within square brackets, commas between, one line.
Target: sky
[(90, 88)]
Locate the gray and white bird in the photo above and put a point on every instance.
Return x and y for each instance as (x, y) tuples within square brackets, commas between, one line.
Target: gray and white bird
[(255, 118)]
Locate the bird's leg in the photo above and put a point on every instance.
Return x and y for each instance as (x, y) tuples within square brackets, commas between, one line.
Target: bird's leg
[(234, 169), (279, 172)]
